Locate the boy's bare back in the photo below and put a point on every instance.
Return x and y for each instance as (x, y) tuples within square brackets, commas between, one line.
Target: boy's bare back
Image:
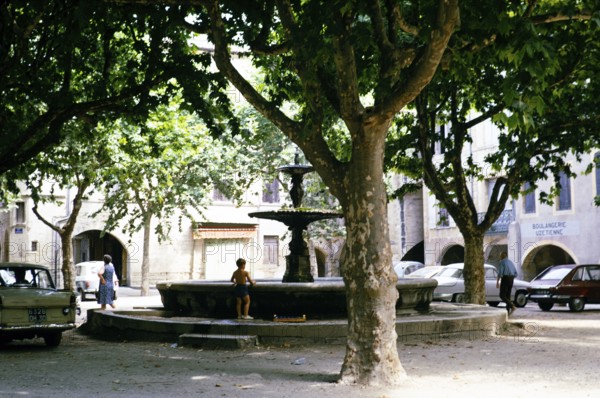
[(240, 276)]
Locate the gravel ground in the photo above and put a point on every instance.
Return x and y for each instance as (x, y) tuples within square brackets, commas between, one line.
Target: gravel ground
[(539, 354)]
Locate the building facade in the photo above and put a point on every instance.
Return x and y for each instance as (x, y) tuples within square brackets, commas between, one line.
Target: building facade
[(535, 235), (202, 249)]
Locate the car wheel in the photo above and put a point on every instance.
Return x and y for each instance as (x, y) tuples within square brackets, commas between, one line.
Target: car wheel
[(458, 298), (520, 299), (576, 304), (53, 339), (545, 306)]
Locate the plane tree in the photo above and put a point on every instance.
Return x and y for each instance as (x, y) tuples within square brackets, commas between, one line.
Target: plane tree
[(165, 169), (66, 167), (323, 62), (358, 63), (160, 170), (65, 60), (354, 62), (532, 71)]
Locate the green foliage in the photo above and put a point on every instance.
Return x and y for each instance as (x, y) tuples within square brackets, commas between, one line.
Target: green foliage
[(62, 60), (157, 168), (527, 68)]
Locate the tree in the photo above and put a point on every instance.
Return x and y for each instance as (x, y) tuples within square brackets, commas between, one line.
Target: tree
[(518, 67), (159, 170), (66, 166), (324, 62), (359, 63), (64, 60), (71, 61)]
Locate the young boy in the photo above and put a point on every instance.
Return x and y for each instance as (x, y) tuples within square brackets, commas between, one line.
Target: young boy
[(241, 289)]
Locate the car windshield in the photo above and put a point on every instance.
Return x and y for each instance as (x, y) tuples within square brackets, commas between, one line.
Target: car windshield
[(412, 268), (555, 273), (25, 277), (450, 273), (423, 272)]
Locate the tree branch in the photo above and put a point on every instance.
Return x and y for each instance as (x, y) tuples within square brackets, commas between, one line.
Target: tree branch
[(43, 220), (223, 61), (351, 109), (425, 66)]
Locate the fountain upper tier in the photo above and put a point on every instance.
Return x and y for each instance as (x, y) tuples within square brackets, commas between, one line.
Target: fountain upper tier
[(296, 218), (292, 169)]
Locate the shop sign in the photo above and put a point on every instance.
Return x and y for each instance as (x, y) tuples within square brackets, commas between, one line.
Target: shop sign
[(550, 229)]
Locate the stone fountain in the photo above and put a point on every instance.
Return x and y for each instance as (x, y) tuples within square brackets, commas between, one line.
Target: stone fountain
[(297, 263), (299, 293)]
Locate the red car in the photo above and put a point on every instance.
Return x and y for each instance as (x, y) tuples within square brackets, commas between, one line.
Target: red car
[(570, 284)]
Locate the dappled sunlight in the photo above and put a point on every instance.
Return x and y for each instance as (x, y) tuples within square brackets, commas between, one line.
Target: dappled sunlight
[(200, 378)]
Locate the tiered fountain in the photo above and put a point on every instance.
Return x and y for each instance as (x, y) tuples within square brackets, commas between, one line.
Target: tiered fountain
[(297, 263), (299, 293)]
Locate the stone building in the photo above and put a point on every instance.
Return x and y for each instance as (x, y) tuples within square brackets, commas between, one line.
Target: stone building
[(534, 235), (203, 249)]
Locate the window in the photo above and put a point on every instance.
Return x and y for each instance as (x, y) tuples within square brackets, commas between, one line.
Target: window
[(529, 199), (564, 197), (594, 273), (443, 217), (438, 147), (597, 163), (20, 213), (219, 196), (271, 192), (578, 275), (271, 249), (34, 246)]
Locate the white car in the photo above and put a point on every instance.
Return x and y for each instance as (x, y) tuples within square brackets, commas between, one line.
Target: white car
[(451, 286), (426, 272), (86, 278), (404, 268)]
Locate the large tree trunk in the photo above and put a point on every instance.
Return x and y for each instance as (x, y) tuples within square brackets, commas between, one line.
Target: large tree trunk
[(371, 351), (66, 234), (68, 268), (146, 255), (473, 271)]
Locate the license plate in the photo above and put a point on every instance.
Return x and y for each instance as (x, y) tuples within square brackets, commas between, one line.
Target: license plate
[(37, 315)]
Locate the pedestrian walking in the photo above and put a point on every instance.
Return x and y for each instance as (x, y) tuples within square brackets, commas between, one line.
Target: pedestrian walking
[(108, 280), (506, 278)]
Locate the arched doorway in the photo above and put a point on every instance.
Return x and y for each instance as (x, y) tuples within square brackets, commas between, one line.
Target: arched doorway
[(493, 252), (542, 257), (89, 246), (454, 254)]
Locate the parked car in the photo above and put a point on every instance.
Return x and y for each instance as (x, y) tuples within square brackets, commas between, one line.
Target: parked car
[(31, 306), (404, 268), (451, 286), (570, 284), (86, 279), (426, 272)]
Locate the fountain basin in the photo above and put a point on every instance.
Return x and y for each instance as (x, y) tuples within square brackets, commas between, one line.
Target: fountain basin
[(322, 299)]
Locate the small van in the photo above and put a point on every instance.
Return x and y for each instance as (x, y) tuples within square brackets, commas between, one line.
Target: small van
[(86, 278)]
